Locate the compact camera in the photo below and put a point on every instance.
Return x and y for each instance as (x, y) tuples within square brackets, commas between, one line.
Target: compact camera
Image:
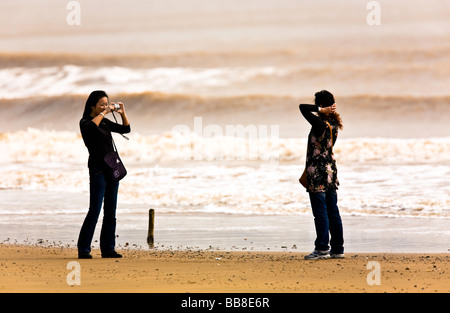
[(116, 106)]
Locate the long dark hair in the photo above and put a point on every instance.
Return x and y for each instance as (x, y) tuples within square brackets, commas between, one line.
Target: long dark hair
[(325, 99), (92, 100)]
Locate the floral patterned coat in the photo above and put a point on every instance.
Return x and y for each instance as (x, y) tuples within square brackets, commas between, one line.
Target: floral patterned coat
[(320, 162)]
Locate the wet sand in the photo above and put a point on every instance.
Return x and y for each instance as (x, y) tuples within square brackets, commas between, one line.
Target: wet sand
[(26, 268)]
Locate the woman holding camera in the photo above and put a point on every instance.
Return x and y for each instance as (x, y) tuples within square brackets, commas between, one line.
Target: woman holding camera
[(321, 175), (96, 132)]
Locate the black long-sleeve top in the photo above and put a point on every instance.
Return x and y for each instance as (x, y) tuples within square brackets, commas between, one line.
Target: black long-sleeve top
[(98, 139), (317, 123)]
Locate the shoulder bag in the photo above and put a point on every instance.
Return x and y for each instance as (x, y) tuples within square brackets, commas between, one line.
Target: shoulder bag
[(115, 170)]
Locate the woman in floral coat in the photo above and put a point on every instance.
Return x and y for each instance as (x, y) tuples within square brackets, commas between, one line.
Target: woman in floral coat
[(321, 175)]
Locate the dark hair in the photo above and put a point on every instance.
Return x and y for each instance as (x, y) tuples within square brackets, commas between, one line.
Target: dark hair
[(325, 99), (92, 100)]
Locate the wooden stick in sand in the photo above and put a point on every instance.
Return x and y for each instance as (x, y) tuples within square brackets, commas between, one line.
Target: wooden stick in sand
[(151, 228)]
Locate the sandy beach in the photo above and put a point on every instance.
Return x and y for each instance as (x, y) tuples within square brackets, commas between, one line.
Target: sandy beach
[(44, 270)]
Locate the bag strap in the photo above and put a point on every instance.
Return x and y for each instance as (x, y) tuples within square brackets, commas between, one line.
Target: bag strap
[(112, 138), (331, 133), (112, 112), (115, 148)]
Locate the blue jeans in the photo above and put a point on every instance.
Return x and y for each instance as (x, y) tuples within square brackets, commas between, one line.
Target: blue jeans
[(100, 189), (327, 221)]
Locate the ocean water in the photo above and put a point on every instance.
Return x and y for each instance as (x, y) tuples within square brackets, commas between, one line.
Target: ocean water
[(212, 90)]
